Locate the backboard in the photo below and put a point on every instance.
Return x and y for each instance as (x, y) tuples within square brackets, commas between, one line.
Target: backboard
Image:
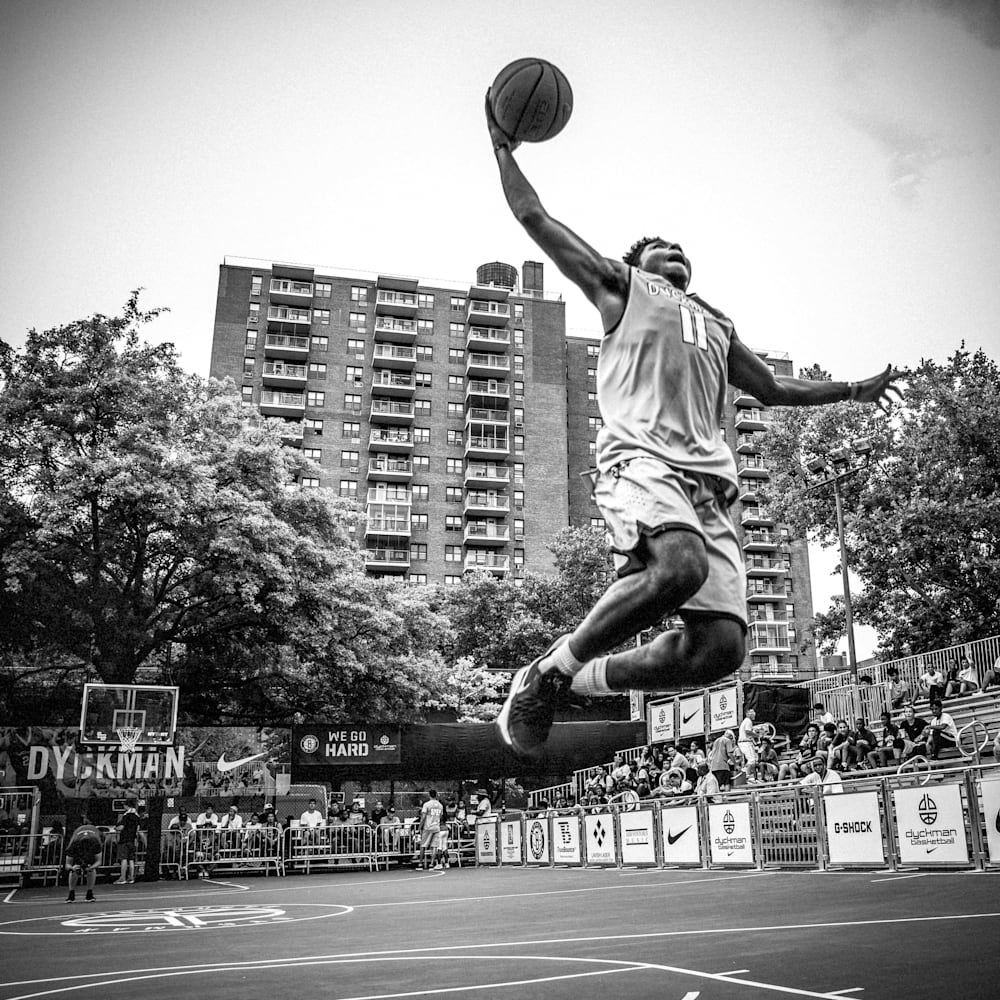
[(109, 709)]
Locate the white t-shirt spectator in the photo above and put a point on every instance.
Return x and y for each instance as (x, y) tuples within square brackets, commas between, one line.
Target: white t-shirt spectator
[(207, 819), (232, 821), (945, 724), (831, 782), (311, 819)]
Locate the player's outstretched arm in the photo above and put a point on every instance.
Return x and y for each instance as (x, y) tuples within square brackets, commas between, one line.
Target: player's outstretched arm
[(747, 371), (603, 281)]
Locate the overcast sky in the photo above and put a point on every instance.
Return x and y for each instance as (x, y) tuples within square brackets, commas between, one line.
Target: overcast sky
[(831, 167)]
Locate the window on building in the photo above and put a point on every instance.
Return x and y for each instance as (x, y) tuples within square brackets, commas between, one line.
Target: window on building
[(251, 340), (313, 454), (450, 580), (359, 295), (519, 472), (456, 355), (456, 410), (592, 449), (453, 494), (593, 350), (421, 491), (518, 416), (599, 523), (352, 402), (248, 394), (457, 304), (422, 407), (421, 435), (425, 352), (456, 330), (592, 374), (421, 463), (591, 397), (314, 425), (348, 488), (518, 311), (518, 499), (456, 383), (254, 313), (418, 522), (595, 423), (309, 482), (356, 346), (356, 321), (518, 364), (354, 374), (453, 466), (518, 338), (417, 579), (425, 326), (452, 522), (453, 553), (248, 367), (453, 437), (518, 391), (317, 369), (425, 300), (351, 429), (519, 443), (518, 557), (418, 551), (256, 284), (315, 398), (519, 527), (322, 289), (422, 380), (321, 316), (320, 343), (349, 459)]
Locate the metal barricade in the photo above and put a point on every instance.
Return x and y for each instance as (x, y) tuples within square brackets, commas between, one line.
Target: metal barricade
[(207, 852), (346, 846), (15, 854), (787, 824)]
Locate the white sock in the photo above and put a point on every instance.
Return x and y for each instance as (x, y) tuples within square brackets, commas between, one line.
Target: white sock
[(592, 679), (561, 659)]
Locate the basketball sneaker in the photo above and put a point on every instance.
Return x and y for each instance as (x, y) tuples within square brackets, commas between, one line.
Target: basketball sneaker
[(71, 898), (90, 898), (526, 717)]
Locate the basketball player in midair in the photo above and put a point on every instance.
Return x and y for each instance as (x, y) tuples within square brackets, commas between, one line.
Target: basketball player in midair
[(665, 478)]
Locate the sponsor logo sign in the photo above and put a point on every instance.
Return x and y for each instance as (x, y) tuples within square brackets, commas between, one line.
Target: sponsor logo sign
[(637, 838), (729, 837), (692, 712), (601, 838), (566, 840), (64, 762), (679, 836), (660, 722), (510, 842), (722, 710), (990, 798), (486, 842), (854, 829), (346, 745), (930, 825), (536, 836)]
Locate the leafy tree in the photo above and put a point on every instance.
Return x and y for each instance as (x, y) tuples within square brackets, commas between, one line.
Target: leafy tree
[(922, 522), (142, 507)]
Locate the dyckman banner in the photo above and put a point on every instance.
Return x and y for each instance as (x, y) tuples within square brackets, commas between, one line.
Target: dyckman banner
[(930, 825), (722, 710), (729, 833), (660, 722), (348, 743)]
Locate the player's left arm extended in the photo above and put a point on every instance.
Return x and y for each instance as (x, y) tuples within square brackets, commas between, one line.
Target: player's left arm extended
[(749, 372)]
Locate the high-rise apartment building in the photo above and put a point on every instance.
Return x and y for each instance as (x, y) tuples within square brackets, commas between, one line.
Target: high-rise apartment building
[(460, 417)]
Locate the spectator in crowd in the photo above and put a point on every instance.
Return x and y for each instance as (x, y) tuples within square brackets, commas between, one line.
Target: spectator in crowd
[(865, 741), (83, 855), (208, 819), (842, 753), (720, 759), (807, 749), (991, 678), (932, 683), (767, 764), (823, 717), (708, 785), (747, 742), (389, 828), (900, 693), (181, 824), (378, 811), (890, 746), (673, 783), (942, 732), (128, 834), (827, 732), (251, 834), (620, 773), (232, 820), (914, 730), (822, 775), (310, 823), (695, 754), (430, 824), (965, 679)]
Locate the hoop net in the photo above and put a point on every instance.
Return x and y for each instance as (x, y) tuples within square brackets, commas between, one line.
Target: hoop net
[(128, 736)]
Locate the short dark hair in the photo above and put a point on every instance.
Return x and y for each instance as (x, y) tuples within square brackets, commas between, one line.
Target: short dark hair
[(635, 251)]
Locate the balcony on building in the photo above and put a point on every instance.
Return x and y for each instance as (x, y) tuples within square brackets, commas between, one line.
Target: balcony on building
[(398, 331), (750, 419), (484, 559), (483, 311), (284, 376), (743, 398), (754, 515), (766, 591), (486, 502), (389, 519), (768, 638), (766, 614), (486, 415), (390, 469), (747, 444), (485, 533), (480, 364), (480, 442), (292, 432), (387, 558), (394, 440), (398, 495), (290, 292), (771, 668), (759, 541), (752, 465), (494, 338), (486, 392), (274, 403), (391, 411), (391, 383), (486, 474), (759, 565), (395, 356), (395, 296), (288, 319), (290, 347), (748, 491)]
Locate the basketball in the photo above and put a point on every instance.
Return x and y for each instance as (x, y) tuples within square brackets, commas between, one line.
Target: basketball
[(531, 100)]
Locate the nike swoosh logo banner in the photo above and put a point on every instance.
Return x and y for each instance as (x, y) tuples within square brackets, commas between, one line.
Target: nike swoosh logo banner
[(672, 838), (688, 718), (231, 765)]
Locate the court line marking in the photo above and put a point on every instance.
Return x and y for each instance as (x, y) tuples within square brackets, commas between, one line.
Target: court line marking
[(430, 951), (620, 966), (733, 972), (853, 989), (900, 878)]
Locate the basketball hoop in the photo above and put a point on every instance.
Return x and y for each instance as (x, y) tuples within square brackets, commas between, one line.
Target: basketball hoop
[(128, 736)]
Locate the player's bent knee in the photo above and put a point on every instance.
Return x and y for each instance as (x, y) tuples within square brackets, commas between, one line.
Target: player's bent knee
[(676, 568), (719, 651)]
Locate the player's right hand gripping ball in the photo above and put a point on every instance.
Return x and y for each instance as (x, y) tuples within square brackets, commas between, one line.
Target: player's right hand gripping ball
[(531, 100)]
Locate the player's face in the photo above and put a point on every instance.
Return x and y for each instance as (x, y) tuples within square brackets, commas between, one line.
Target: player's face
[(668, 261)]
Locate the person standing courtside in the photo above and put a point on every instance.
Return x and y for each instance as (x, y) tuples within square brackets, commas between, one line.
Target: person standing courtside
[(128, 833), (430, 827), (665, 477)]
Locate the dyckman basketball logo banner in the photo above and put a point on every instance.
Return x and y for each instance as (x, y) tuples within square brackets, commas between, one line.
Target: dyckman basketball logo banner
[(722, 710), (729, 833), (930, 825), (660, 722)]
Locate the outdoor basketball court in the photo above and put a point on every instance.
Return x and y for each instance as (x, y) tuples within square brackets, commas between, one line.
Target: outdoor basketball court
[(511, 932)]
